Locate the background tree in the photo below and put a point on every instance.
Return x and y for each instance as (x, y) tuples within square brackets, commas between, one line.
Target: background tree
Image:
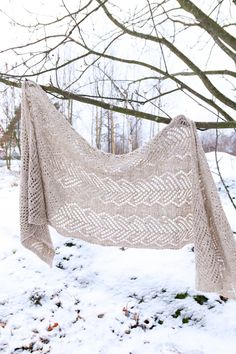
[(9, 127)]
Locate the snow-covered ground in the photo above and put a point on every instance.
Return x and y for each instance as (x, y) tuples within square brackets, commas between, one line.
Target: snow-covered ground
[(98, 300)]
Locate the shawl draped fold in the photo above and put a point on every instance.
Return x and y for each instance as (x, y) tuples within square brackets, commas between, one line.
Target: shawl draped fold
[(161, 195)]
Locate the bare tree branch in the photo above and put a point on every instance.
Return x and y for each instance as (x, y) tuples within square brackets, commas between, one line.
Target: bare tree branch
[(177, 52), (139, 114), (165, 75), (209, 25)]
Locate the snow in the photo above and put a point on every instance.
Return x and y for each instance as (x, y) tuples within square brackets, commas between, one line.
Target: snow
[(107, 300)]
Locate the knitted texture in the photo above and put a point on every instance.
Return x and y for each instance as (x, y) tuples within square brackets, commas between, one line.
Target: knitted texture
[(162, 195)]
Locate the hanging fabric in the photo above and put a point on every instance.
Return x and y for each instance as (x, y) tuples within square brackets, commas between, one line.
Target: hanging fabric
[(161, 195)]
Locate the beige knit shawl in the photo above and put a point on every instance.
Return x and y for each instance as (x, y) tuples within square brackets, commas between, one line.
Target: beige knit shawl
[(162, 195)]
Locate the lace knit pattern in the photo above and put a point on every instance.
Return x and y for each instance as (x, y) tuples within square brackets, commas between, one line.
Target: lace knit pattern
[(162, 195)]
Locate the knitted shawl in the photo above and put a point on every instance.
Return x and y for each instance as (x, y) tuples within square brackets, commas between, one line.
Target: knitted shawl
[(161, 195)]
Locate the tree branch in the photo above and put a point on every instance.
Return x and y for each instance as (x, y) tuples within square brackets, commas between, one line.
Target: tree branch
[(207, 23), (114, 108), (165, 75), (161, 40)]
